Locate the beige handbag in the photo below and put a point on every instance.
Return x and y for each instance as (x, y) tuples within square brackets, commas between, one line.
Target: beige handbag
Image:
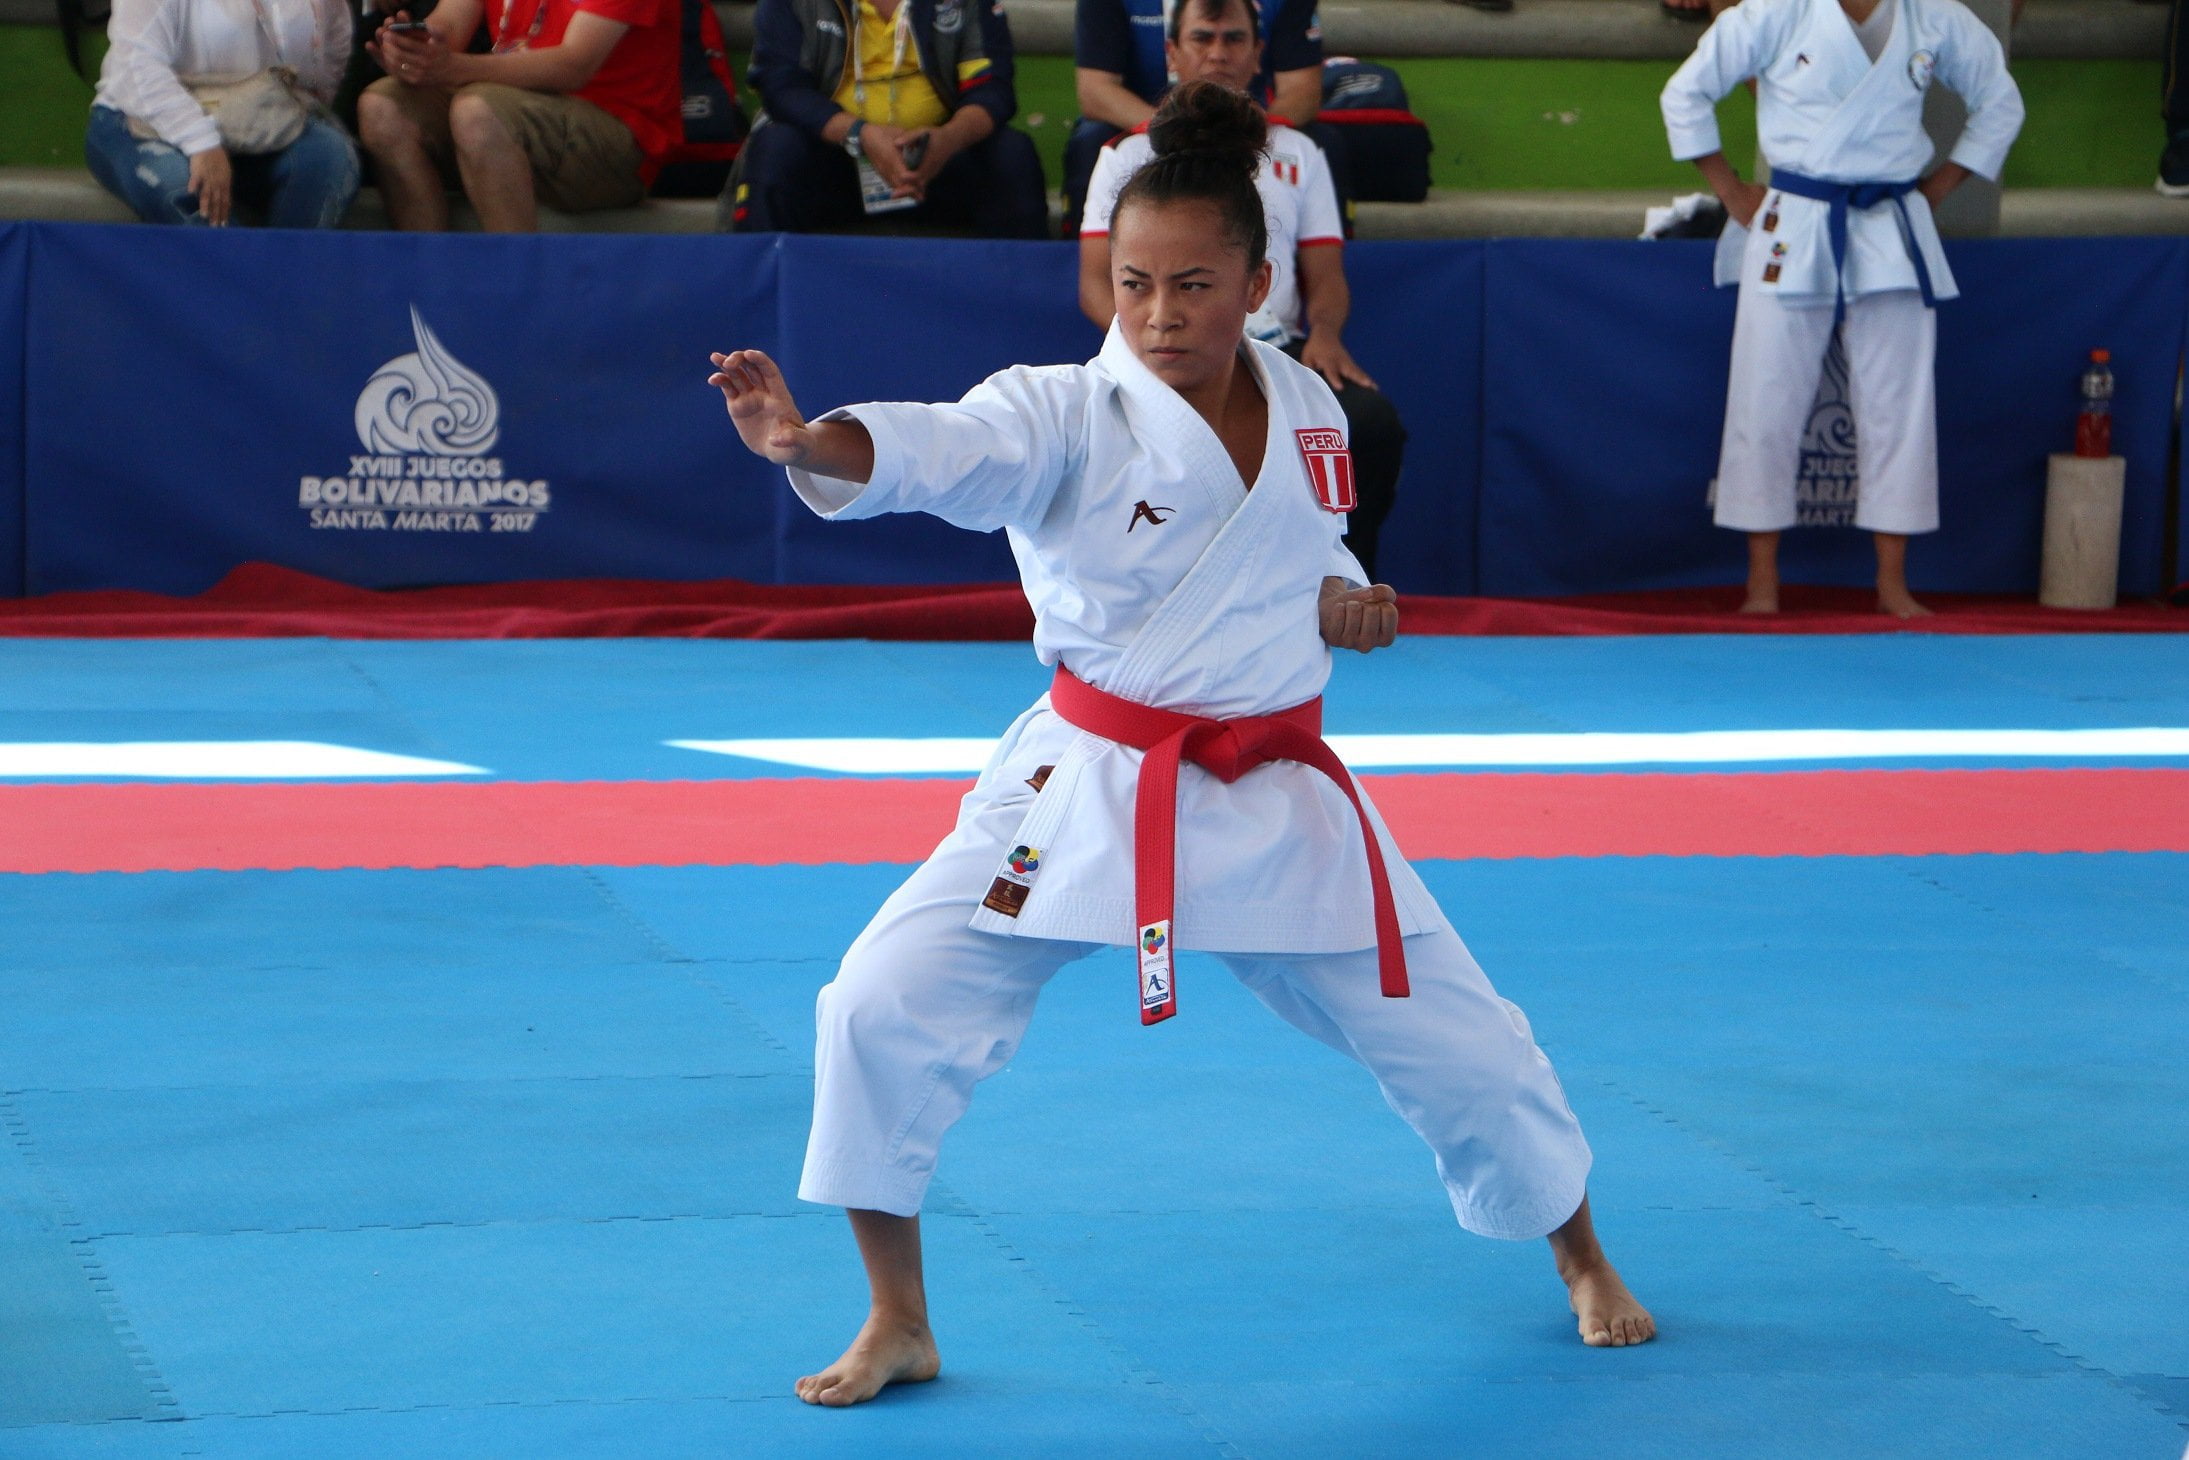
[(263, 112)]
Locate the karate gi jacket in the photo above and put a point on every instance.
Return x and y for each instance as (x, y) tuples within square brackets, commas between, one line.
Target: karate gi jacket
[(1155, 575), (1825, 110)]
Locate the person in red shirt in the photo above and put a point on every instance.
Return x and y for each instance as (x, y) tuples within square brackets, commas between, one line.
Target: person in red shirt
[(575, 105)]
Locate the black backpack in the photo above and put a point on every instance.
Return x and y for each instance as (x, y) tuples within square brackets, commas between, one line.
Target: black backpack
[(1387, 147)]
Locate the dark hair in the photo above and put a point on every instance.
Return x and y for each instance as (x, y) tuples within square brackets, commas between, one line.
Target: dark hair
[(1208, 147), (1213, 10)]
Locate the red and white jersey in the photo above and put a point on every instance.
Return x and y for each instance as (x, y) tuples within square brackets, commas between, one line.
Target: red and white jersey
[(1299, 203)]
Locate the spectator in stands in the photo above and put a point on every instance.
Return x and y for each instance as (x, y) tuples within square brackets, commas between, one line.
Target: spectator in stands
[(885, 107), (2174, 161), (154, 142), (1121, 70), (1305, 313), (575, 106)]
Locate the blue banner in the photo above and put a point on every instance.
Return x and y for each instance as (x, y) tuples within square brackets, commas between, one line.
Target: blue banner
[(1605, 391), (388, 409), (14, 287), (890, 319), (394, 410), (2011, 354), (1416, 329)]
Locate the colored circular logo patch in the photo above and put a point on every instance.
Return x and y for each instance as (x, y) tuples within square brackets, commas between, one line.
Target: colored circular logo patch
[(1024, 860), (1152, 940)]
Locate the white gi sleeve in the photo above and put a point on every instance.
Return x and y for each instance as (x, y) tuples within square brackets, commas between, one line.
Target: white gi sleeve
[(1103, 185), (1974, 65), (1739, 44), (145, 42), (1320, 220), (991, 460)]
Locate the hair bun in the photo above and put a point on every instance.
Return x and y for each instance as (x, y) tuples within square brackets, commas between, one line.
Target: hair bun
[(1205, 118)]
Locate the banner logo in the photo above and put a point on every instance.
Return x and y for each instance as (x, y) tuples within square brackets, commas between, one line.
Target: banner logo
[(426, 421), (428, 402), (1828, 486)]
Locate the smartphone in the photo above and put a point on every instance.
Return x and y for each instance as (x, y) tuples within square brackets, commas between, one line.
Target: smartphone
[(407, 27)]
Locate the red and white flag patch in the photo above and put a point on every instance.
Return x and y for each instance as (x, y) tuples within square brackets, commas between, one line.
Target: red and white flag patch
[(1329, 467)]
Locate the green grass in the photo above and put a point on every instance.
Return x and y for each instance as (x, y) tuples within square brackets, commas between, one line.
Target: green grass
[(43, 104), (1497, 123)]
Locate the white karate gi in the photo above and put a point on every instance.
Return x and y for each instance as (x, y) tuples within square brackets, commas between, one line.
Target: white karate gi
[(1213, 610), (1825, 110)]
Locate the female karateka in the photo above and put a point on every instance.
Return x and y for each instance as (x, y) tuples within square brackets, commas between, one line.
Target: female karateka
[(1176, 509), (1844, 231)]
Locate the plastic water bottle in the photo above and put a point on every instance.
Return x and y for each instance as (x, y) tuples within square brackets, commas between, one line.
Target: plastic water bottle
[(2094, 426)]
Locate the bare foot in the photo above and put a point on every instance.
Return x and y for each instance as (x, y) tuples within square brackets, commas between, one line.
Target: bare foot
[(1609, 1315), (1761, 603), (884, 1353), (1900, 604)]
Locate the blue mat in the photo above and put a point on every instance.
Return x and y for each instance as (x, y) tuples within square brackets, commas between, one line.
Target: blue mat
[(501, 1163)]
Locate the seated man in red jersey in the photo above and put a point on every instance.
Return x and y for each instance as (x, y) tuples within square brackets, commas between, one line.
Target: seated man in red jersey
[(574, 106)]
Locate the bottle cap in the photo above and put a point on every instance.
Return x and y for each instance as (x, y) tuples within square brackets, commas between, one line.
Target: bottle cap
[(2101, 356)]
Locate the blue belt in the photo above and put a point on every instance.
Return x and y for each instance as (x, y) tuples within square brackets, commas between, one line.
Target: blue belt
[(1842, 196)]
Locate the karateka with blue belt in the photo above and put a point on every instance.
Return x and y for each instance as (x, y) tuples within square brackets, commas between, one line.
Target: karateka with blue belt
[(1842, 236)]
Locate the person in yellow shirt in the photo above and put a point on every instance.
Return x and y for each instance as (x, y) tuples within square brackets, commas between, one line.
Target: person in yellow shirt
[(882, 108)]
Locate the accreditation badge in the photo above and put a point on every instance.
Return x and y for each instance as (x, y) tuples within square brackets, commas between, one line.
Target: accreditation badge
[(1329, 467)]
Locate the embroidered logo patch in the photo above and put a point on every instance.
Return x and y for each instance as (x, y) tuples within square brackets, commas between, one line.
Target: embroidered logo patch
[(1921, 67), (1153, 516), (1778, 250), (1770, 273), (1329, 467), (1007, 894)]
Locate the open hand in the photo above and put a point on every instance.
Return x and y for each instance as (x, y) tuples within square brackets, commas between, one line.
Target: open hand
[(1326, 355), (213, 181), (1359, 618), (760, 406)]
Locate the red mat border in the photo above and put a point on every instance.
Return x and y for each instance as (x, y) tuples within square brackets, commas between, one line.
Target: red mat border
[(263, 601)]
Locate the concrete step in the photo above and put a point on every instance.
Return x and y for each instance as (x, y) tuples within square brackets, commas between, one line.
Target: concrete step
[(1625, 30), (1454, 213), (63, 195), (1568, 29)]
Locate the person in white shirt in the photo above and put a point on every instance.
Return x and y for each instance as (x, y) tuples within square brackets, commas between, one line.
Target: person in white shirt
[(153, 144), (1843, 232), (1309, 300), (1175, 506)]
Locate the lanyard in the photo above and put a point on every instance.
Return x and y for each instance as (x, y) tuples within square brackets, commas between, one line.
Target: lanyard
[(502, 40), (900, 25)]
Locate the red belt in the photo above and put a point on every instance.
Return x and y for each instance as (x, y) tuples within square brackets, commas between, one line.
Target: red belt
[(1227, 750)]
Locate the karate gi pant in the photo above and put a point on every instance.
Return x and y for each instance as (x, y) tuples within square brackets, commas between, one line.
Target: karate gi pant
[(1778, 358), (924, 1007)]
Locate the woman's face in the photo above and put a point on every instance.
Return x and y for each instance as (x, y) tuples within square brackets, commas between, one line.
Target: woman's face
[(1183, 290)]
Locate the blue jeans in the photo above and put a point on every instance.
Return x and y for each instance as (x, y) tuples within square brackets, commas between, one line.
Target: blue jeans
[(307, 184)]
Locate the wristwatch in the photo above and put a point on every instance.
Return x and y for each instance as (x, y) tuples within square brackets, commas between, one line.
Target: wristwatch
[(851, 139)]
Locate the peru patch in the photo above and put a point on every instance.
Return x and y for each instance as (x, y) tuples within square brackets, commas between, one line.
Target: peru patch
[(1329, 467)]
